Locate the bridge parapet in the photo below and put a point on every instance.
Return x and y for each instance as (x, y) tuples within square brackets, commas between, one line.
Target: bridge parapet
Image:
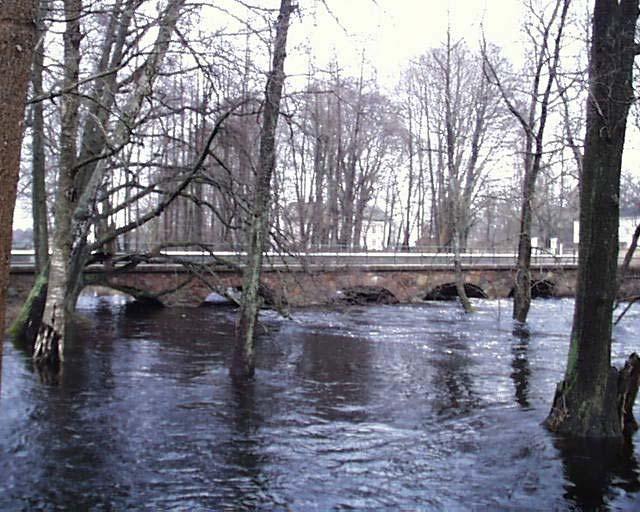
[(361, 258)]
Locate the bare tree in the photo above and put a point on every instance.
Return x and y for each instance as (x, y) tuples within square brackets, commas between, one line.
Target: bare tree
[(463, 120), (533, 120), (243, 365), (83, 170)]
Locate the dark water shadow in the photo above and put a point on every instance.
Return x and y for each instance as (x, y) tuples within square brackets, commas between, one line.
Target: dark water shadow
[(452, 380), (335, 370), (598, 470), (243, 452), (521, 330)]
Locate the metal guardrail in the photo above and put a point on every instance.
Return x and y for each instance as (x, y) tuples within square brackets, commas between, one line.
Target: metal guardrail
[(26, 258)]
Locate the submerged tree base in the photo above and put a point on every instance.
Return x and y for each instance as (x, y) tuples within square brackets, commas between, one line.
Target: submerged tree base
[(589, 415), (47, 348), (24, 329), (242, 365)]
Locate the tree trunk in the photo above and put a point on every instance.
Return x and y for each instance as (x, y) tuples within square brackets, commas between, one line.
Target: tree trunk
[(522, 288), (533, 123), (407, 226), (17, 41), (49, 345), (77, 187), (628, 381), (585, 404), (25, 327), (533, 162), (243, 364), (457, 265), (38, 187)]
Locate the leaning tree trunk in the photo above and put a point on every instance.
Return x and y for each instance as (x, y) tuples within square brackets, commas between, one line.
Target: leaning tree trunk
[(49, 346), (17, 41), (586, 401), (243, 364)]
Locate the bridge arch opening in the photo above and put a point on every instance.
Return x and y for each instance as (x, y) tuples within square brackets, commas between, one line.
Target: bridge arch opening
[(270, 298), (448, 291), (129, 299), (361, 295), (541, 289), (230, 298)]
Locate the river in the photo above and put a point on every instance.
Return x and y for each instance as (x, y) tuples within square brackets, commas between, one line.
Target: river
[(404, 407)]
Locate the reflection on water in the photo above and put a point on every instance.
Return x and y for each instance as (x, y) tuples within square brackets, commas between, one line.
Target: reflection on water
[(380, 408), (599, 472), (521, 370)]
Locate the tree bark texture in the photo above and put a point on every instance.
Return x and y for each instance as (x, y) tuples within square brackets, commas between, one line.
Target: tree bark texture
[(49, 347), (585, 402), (243, 364), (17, 41)]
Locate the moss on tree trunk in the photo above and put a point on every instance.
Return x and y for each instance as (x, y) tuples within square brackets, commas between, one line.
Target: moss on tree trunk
[(24, 329)]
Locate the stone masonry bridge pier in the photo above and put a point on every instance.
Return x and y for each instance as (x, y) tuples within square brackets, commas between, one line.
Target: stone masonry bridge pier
[(321, 278)]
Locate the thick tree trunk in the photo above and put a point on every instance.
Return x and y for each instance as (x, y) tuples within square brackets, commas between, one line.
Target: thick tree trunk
[(49, 344), (585, 404), (17, 41), (243, 364)]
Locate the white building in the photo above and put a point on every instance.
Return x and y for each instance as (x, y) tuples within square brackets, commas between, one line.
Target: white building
[(375, 229), (629, 219), (375, 225)]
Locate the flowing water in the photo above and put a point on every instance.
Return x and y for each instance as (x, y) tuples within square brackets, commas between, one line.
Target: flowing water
[(366, 408)]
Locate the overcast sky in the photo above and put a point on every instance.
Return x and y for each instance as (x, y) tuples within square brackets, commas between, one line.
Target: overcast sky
[(393, 31)]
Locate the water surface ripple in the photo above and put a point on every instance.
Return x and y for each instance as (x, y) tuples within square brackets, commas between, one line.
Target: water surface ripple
[(367, 408)]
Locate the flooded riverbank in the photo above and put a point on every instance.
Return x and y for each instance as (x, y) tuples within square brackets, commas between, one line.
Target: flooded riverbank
[(405, 407)]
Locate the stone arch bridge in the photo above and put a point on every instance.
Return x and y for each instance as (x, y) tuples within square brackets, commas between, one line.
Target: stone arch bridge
[(324, 282)]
